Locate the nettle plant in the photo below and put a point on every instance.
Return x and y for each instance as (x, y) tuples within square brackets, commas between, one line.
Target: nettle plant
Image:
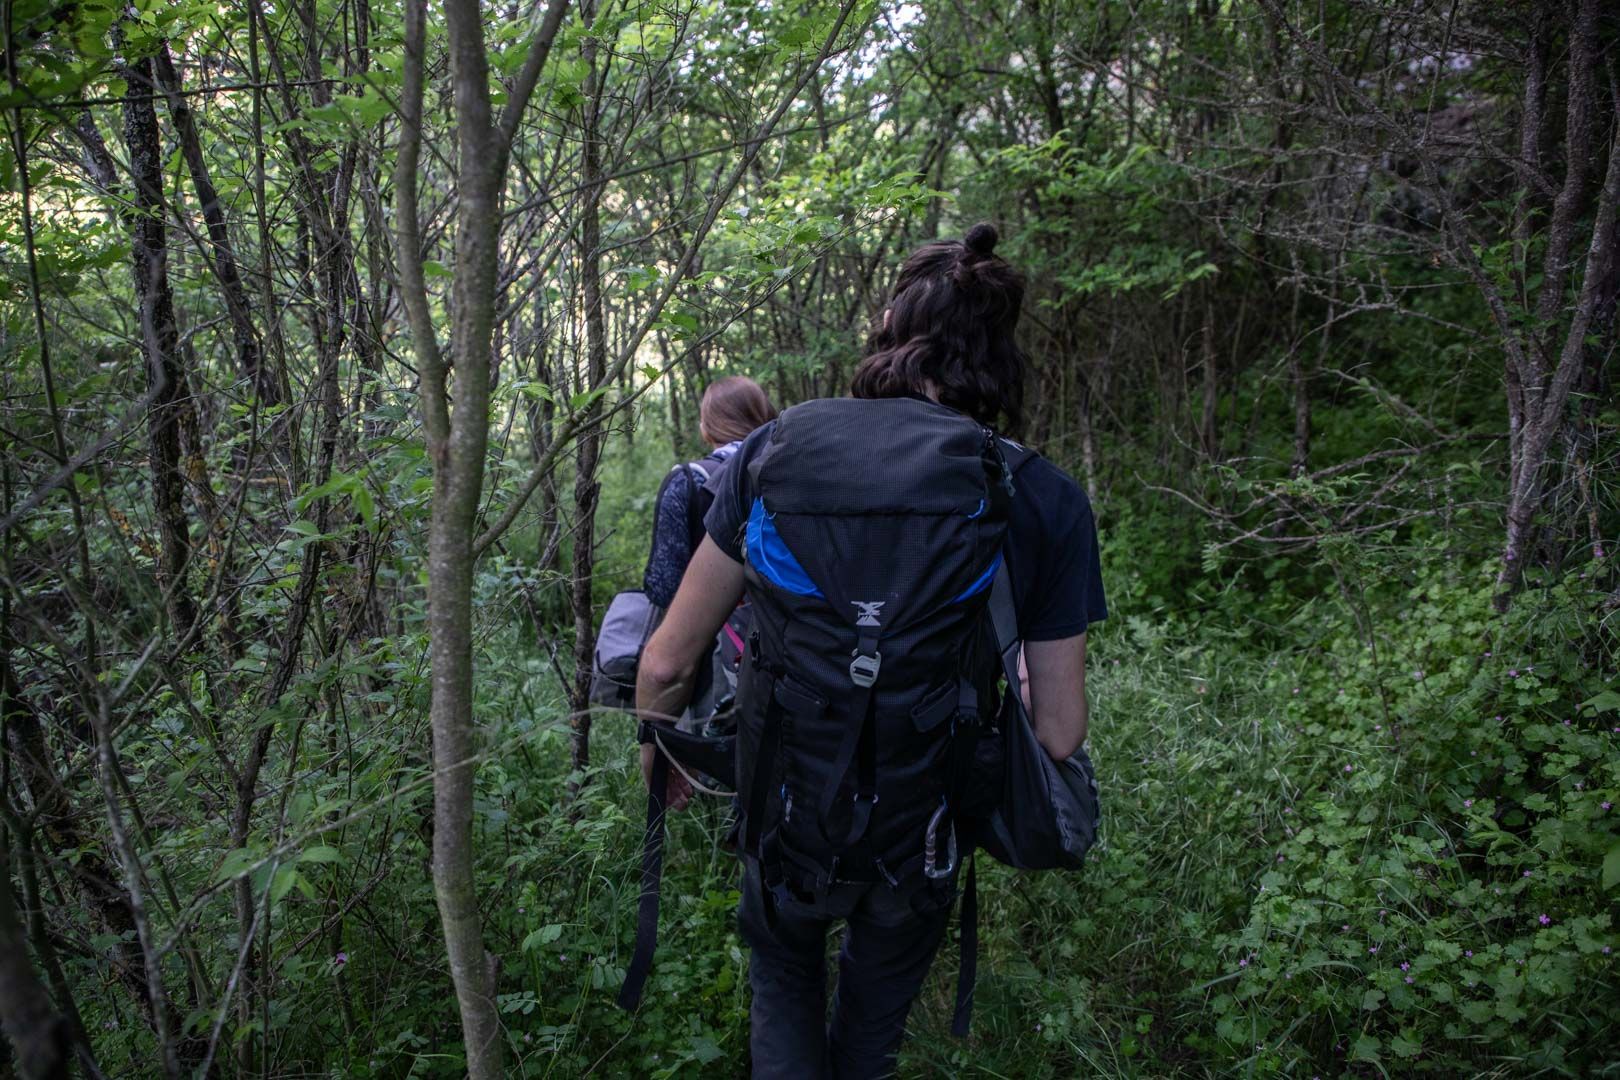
[(1440, 885)]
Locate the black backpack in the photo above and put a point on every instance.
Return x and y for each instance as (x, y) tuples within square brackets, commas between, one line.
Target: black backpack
[(872, 742), (871, 670)]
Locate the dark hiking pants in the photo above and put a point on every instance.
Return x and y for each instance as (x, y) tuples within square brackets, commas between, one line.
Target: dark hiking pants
[(886, 952)]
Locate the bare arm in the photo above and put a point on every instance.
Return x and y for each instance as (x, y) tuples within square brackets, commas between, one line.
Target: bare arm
[(1055, 692), (709, 592)]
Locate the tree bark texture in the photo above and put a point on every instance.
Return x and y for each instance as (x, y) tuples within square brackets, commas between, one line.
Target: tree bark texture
[(160, 341)]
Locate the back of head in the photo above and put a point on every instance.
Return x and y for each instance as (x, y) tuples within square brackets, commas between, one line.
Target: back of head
[(949, 330), (732, 408)]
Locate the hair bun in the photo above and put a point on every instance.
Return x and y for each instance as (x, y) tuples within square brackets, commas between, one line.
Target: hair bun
[(981, 239)]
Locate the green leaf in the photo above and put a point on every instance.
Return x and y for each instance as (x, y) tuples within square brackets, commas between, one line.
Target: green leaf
[(320, 854), (285, 878), (236, 864), (1611, 868), (543, 936), (1608, 701)]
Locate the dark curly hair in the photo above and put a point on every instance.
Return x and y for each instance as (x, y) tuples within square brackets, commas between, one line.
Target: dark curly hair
[(949, 332)]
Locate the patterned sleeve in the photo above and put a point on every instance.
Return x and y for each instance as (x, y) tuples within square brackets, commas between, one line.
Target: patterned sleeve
[(671, 543)]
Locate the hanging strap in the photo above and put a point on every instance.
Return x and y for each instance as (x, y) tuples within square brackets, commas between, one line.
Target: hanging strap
[(967, 971), (759, 791), (652, 873), (1004, 620), (860, 740), (694, 503)]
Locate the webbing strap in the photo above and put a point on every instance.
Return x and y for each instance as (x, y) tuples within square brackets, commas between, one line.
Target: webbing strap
[(1004, 619), (759, 792), (855, 738), (967, 970), (652, 872)]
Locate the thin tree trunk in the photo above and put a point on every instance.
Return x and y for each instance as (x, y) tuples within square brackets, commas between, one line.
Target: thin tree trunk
[(160, 340), (249, 355), (589, 450), (39, 1036)]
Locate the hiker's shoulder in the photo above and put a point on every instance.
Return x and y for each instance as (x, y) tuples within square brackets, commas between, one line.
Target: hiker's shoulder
[(1046, 496)]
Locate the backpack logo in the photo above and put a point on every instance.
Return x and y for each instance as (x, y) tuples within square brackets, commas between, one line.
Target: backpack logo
[(869, 612)]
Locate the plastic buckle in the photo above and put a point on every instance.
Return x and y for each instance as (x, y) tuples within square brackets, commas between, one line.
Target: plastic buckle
[(863, 670)]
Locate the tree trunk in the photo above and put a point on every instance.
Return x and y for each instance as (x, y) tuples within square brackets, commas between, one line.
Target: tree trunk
[(160, 339), (39, 1036), (589, 450)]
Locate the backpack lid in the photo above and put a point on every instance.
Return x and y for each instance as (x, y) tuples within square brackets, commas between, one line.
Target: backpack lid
[(887, 508)]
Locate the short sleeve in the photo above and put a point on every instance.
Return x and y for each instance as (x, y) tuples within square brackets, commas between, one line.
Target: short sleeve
[(733, 496), (1061, 588)]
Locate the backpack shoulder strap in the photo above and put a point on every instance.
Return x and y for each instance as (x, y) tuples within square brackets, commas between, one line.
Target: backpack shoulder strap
[(1004, 621), (697, 479)]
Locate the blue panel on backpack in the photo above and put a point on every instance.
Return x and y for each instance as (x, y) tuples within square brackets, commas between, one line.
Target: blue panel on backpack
[(768, 554), (983, 581)]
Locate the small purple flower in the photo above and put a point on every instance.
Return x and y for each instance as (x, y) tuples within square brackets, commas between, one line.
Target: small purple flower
[(1598, 554), (340, 959), (1527, 873), (1544, 920), (1417, 675), (1606, 950), (1371, 949), (1607, 805), (1296, 689), (1513, 673), (1566, 723), (1405, 966), (527, 1036), (1280, 857), (1243, 962), (1381, 913), (1487, 654), (1349, 768), (1468, 953), (520, 911), (1345, 928), (1409, 980), (1473, 753), (1468, 802), (1378, 727)]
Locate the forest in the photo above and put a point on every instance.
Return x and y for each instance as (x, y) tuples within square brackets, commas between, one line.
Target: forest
[(344, 346)]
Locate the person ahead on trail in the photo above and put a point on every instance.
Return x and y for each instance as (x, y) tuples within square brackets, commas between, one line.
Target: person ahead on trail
[(732, 408), (867, 533)]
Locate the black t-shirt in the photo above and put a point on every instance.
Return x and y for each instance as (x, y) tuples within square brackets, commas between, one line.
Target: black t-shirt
[(1051, 542)]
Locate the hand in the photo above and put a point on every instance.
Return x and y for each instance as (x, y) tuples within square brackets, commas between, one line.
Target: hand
[(678, 792)]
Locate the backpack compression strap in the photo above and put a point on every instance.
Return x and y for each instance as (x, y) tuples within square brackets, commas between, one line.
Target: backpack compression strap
[(713, 755), (1004, 623), (1004, 619), (652, 873)]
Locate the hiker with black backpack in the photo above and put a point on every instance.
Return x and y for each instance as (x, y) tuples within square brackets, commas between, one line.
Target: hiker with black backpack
[(901, 560), (730, 410)]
